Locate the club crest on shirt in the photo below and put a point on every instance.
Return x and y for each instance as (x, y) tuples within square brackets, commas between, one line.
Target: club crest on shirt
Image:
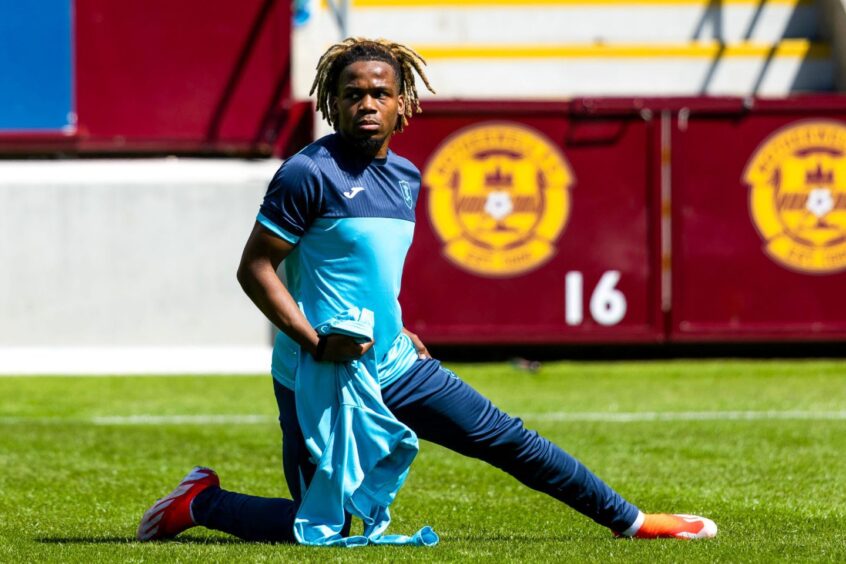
[(406, 193), (797, 196), (499, 198)]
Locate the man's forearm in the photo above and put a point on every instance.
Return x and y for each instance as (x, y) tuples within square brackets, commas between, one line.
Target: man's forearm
[(264, 288)]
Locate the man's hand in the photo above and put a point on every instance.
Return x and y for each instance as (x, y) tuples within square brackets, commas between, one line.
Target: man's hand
[(343, 348), (422, 352)]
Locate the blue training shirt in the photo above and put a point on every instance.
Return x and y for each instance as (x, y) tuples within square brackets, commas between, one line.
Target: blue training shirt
[(352, 222)]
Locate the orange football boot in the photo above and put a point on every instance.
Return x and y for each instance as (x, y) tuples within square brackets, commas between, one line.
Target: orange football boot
[(667, 526)]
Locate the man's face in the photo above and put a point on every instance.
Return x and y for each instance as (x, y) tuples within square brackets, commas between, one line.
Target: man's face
[(368, 105)]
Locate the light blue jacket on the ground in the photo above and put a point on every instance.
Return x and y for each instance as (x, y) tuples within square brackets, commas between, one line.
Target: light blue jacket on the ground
[(361, 451)]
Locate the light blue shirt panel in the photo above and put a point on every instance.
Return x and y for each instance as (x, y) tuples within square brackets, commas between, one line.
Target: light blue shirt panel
[(395, 363), (278, 231), (344, 263), (361, 451)]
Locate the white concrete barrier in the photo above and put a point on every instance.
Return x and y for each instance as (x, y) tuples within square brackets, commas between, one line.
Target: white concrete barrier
[(135, 254)]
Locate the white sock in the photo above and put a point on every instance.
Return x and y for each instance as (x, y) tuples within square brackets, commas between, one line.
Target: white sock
[(632, 531)]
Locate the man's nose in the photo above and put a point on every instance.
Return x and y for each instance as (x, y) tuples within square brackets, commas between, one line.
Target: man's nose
[(367, 103)]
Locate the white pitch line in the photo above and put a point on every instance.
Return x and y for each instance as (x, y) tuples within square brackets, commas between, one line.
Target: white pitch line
[(559, 416), (140, 420), (244, 419), (186, 374), (635, 416)]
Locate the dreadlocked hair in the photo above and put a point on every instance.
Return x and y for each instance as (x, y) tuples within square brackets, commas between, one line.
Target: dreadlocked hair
[(403, 60)]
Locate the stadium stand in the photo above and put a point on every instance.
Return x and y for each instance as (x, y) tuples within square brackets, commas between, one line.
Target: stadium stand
[(497, 49)]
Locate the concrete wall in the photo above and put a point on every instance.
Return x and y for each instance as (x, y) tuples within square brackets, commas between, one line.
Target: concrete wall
[(129, 253)]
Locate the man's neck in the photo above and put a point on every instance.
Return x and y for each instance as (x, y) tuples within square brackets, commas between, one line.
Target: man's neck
[(365, 150)]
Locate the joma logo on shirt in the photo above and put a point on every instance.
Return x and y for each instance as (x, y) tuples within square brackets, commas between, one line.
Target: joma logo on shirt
[(351, 193)]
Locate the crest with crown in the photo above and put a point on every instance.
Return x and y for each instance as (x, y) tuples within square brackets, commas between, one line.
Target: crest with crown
[(819, 178), (498, 180)]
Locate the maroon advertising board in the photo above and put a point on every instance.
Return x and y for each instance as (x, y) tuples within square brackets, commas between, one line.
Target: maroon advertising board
[(193, 76), (759, 221), (629, 220), (534, 225)]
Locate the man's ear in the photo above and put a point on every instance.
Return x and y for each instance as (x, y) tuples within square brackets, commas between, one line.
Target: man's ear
[(401, 104), (333, 109)]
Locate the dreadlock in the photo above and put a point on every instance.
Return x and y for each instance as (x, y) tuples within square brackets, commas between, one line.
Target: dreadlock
[(403, 60)]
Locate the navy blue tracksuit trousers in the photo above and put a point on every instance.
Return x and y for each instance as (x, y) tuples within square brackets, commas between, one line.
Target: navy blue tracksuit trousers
[(440, 408)]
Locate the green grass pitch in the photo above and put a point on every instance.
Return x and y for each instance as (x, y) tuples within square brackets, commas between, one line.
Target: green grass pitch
[(759, 446)]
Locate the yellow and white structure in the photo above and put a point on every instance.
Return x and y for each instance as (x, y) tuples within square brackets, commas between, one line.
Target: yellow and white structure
[(543, 49)]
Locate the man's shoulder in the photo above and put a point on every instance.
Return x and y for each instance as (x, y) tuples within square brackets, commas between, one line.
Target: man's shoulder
[(307, 163), (309, 157), (404, 164)]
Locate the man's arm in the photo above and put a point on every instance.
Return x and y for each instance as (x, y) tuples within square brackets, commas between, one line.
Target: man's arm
[(257, 275)]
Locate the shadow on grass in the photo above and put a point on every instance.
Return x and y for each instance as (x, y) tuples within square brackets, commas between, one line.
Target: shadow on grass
[(189, 540), (92, 539)]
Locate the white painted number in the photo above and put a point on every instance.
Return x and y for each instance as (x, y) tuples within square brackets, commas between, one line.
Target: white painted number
[(573, 310), (607, 303)]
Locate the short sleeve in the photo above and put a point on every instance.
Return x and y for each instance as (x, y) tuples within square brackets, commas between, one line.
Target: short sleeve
[(293, 199), (416, 191)]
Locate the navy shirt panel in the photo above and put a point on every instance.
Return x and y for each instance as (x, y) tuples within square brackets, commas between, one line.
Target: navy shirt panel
[(327, 180), (295, 195)]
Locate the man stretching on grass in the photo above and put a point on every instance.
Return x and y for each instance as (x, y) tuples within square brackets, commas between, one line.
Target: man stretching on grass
[(341, 212)]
